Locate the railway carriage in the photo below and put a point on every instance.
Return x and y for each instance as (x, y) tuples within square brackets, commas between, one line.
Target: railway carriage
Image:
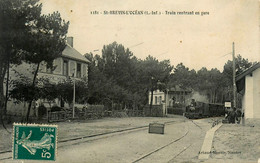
[(201, 110)]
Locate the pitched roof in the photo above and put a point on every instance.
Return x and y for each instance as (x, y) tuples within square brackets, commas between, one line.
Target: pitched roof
[(240, 78), (247, 71), (71, 53)]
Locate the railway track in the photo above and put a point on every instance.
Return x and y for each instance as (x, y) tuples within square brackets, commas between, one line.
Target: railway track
[(186, 148), (5, 155), (158, 149), (170, 143), (215, 122)]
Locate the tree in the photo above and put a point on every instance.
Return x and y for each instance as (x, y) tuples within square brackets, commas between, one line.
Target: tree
[(45, 41), (15, 15), (23, 90), (118, 64), (65, 90), (155, 74), (152, 69), (47, 90), (102, 87), (97, 82), (122, 78), (241, 65), (38, 38), (115, 71), (183, 77)]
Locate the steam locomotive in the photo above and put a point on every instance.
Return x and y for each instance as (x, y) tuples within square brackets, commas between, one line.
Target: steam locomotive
[(201, 110)]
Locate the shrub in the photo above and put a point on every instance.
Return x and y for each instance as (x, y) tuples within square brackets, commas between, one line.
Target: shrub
[(56, 108), (95, 110), (174, 110), (42, 110), (156, 111), (120, 114)]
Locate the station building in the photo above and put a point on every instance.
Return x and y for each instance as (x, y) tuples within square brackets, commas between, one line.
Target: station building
[(71, 64), (248, 85)]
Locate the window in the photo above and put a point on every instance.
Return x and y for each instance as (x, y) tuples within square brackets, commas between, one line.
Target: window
[(78, 70), (155, 100), (65, 68), (160, 99), (84, 70)]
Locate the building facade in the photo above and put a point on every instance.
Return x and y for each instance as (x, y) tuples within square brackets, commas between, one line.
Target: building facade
[(248, 83), (171, 96), (70, 64), (158, 97)]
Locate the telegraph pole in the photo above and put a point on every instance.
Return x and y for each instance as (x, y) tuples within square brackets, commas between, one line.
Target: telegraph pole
[(74, 94), (74, 90), (234, 76)]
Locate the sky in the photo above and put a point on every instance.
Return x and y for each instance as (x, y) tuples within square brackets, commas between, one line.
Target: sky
[(195, 40)]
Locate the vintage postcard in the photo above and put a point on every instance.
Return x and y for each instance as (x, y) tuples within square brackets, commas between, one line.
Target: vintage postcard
[(130, 81)]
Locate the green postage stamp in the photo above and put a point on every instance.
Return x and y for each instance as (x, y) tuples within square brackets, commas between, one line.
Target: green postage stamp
[(34, 141)]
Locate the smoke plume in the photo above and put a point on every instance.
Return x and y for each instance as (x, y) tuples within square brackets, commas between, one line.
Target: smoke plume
[(198, 97)]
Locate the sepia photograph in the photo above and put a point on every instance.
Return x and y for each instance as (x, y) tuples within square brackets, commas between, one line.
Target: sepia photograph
[(133, 81)]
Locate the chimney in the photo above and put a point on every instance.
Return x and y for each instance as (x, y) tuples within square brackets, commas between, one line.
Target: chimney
[(70, 41)]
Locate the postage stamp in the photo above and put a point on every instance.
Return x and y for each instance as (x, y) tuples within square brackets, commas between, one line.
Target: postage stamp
[(35, 141)]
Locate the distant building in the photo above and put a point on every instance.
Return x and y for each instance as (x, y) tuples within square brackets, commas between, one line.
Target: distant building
[(158, 97), (174, 95), (248, 85)]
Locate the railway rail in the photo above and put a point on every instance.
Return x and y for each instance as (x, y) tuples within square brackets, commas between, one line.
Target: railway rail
[(170, 143), (186, 148), (158, 149), (83, 139)]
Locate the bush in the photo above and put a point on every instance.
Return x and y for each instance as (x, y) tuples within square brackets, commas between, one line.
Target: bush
[(56, 108), (42, 110), (178, 111), (135, 113), (157, 111), (95, 110), (120, 114)]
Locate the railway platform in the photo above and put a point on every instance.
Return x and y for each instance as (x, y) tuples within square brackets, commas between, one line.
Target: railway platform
[(237, 143)]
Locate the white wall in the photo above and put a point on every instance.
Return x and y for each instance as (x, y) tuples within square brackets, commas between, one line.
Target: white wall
[(244, 104), (256, 93), (251, 98), (156, 94), (248, 99)]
